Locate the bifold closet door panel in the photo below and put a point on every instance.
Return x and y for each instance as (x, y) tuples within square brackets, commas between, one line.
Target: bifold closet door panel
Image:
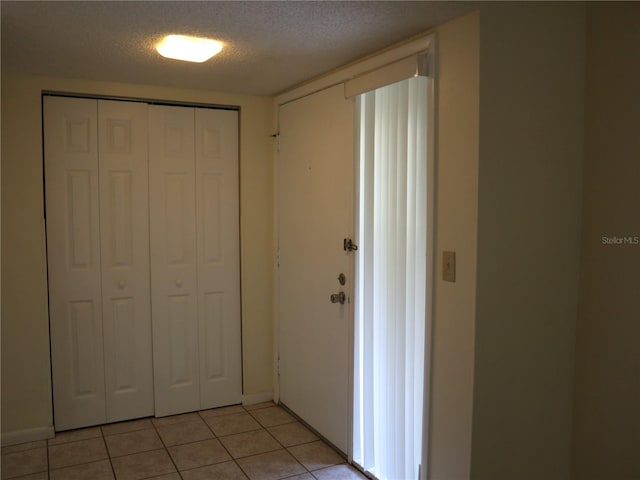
[(173, 259), (124, 238), (217, 200), (73, 256)]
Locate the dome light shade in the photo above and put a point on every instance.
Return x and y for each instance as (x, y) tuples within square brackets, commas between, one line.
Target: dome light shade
[(189, 49)]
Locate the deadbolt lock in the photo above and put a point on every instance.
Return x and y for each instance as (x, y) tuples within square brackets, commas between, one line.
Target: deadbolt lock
[(338, 298)]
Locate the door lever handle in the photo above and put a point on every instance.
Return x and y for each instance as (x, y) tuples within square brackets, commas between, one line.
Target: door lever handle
[(338, 298)]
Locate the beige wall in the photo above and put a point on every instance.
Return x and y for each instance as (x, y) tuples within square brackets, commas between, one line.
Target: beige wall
[(511, 135), (529, 201), (26, 394), (510, 149), (456, 229), (607, 406)]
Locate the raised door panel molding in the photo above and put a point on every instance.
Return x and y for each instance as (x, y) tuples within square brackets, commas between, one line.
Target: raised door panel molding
[(212, 205), (121, 205), (214, 337), (84, 330), (178, 228), (182, 356), (79, 220), (125, 381)]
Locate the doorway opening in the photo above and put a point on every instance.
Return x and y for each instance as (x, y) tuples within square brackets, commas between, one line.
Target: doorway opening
[(392, 272)]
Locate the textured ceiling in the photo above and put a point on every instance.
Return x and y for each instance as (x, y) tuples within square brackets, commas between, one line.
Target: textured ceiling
[(270, 45)]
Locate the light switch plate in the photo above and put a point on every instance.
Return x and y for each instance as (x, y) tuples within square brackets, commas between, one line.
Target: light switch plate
[(449, 266)]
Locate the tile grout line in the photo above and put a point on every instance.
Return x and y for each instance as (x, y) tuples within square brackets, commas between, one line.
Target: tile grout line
[(279, 443), (198, 415), (220, 442), (227, 450), (235, 460), (283, 446), (113, 471), (216, 437), (166, 450), (46, 447), (262, 428), (287, 449)]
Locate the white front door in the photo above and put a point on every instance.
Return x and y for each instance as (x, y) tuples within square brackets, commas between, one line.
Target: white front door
[(316, 168)]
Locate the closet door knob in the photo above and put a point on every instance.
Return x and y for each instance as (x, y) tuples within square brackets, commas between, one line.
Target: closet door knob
[(120, 284), (178, 283)]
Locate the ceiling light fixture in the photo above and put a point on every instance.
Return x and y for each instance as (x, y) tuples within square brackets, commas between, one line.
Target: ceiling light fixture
[(189, 49)]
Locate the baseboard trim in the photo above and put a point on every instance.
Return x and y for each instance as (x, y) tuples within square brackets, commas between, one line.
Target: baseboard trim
[(254, 398), (29, 435)]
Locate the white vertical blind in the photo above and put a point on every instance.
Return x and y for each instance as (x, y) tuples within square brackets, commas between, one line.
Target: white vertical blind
[(391, 279)]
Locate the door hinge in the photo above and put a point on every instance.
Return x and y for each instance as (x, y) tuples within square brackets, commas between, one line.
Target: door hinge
[(278, 258), (278, 367), (277, 138), (349, 246)]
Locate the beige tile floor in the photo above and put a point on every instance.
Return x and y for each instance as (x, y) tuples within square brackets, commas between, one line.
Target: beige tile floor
[(259, 442)]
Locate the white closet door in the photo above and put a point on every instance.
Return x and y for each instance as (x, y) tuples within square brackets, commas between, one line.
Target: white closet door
[(173, 259), (73, 253), (124, 235), (217, 194)]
